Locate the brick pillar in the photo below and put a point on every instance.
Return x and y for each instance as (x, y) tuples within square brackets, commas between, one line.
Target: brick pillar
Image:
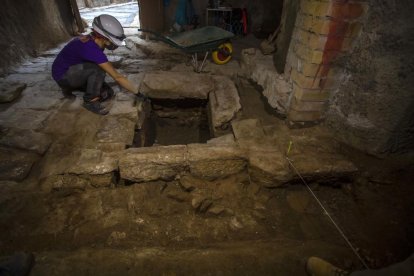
[(324, 30)]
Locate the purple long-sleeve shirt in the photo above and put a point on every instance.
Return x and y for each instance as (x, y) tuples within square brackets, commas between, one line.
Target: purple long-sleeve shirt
[(75, 52)]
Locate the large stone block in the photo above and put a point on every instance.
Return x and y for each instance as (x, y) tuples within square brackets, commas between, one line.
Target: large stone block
[(321, 165), (136, 79), (116, 130), (176, 85), (212, 161), (61, 159), (148, 164), (93, 162), (269, 168), (248, 129), (126, 109), (224, 102)]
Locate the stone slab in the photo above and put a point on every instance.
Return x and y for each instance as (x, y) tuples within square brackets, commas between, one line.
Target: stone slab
[(115, 129), (46, 88), (93, 162), (9, 91), (35, 98), (126, 109), (34, 65), (248, 129), (176, 85), (25, 139), (23, 118), (225, 139), (136, 79), (212, 161), (317, 156), (148, 164), (30, 80), (109, 147), (323, 166), (61, 159), (270, 169), (224, 101)]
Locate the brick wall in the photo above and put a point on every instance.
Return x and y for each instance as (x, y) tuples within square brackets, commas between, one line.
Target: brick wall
[(324, 30)]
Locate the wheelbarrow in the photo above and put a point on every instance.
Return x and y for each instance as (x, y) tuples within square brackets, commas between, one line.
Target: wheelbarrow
[(202, 40)]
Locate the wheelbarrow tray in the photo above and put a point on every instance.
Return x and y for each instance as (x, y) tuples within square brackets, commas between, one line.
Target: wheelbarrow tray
[(199, 40)]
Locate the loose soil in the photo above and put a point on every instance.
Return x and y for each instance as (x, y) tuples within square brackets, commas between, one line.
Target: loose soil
[(229, 226)]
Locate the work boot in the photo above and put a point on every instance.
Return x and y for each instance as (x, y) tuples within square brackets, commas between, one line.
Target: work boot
[(318, 267), (95, 107), (106, 92), (19, 264)]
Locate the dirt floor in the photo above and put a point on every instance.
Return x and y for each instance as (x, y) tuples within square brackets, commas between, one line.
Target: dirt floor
[(236, 228)]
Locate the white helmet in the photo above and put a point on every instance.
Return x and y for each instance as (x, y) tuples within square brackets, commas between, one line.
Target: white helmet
[(109, 27)]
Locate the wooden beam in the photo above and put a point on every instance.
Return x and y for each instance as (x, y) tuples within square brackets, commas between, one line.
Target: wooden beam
[(76, 13)]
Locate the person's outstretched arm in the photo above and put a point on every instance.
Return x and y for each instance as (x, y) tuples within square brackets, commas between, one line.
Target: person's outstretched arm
[(120, 79)]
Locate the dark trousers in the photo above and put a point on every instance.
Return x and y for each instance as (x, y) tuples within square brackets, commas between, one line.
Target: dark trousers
[(87, 77)]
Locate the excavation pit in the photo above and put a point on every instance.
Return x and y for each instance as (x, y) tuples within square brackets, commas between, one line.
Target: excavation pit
[(174, 122)]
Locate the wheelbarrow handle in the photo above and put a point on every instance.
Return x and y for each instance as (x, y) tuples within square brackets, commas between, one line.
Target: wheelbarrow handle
[(160, 37), (151, 32)]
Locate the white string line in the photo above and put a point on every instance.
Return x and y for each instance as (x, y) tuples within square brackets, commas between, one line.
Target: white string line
[(329, 216)]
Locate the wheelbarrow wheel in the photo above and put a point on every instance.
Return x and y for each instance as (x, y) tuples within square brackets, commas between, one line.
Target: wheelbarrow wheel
[(223, 54)]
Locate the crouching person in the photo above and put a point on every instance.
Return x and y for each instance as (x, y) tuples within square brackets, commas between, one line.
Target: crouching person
[(82, 64)]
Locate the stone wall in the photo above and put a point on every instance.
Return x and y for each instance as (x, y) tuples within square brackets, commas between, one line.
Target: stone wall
[(373, 109), (29, 27)]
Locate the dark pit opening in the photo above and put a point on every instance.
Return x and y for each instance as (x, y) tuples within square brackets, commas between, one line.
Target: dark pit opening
[(174, 122)]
